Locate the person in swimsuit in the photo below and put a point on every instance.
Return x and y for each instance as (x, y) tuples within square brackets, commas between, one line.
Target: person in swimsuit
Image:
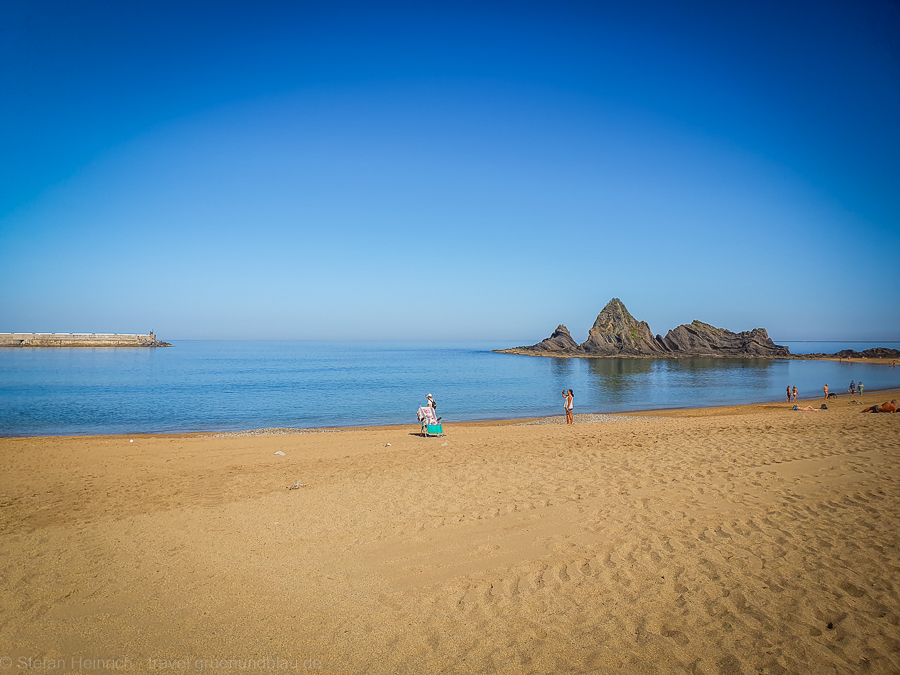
[(569, 396), (859, 388), (795, 393), (789, 393), (888, 407), (825, 389)]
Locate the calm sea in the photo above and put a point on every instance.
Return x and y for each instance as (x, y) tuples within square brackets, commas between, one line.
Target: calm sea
[(232, 385)]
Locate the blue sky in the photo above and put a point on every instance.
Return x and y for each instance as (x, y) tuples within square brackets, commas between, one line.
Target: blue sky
[(477, 171)]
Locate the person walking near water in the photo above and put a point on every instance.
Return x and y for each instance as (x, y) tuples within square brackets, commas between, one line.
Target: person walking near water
[(825, 389), (795, 393), (789, 394), (569, 396), (859, 388)]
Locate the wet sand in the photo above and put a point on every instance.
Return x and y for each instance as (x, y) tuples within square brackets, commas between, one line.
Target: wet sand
[(731, 540)]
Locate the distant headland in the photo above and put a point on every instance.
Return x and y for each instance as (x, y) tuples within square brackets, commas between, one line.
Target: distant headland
[(81, 340)]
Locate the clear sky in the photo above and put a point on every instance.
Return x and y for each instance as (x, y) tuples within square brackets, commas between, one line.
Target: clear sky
[(471, 171)]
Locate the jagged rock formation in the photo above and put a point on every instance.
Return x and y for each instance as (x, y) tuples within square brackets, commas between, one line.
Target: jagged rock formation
[(701, 339), (618, 334), (561, 340)]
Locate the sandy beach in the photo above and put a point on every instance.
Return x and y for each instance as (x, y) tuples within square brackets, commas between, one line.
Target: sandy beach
[(750, 539)]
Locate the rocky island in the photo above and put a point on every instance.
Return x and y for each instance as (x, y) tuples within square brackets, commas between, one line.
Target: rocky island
[(616, 333)]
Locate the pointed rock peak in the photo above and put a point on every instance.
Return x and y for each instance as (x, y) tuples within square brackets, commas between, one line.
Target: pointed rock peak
[(615, 303), (561, 330), (615, 311), (615, 331)]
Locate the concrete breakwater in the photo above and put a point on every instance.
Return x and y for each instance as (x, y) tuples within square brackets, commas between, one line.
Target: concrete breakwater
[(81, 340)]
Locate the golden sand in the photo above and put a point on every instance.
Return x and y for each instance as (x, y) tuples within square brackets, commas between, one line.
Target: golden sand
[(736, 540)]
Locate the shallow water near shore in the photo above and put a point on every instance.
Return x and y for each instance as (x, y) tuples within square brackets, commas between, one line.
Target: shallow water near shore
[(235, 385)]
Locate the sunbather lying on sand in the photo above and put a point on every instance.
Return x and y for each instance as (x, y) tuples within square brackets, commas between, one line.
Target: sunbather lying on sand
[(884, 407), (806, 407)]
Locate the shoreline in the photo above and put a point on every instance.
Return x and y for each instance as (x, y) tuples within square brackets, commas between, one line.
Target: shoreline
[(719, 539), (737, 408)]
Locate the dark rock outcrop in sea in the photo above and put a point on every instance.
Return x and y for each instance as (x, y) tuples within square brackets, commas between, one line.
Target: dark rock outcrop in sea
[(701, 339), (560, 341), (874, 353), (616, 333)]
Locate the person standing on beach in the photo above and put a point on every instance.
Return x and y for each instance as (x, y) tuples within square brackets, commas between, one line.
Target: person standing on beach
[(859, 388), (825, 389), (795, 393), (569, 396), (789, 394)]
